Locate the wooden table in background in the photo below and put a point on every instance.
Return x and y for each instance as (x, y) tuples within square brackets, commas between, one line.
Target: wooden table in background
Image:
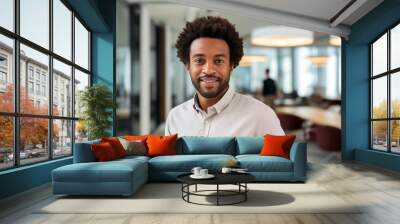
[(314, 114)]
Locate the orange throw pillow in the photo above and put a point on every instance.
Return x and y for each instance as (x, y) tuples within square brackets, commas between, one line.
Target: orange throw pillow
[(103, 151), (135, 137), (161, 145), (277, 145), (116, 145)]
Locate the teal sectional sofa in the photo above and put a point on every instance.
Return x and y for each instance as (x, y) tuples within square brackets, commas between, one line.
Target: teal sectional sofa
[(125, 176)]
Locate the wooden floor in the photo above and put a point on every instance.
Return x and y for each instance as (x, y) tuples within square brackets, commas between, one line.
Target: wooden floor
[(378, 189)]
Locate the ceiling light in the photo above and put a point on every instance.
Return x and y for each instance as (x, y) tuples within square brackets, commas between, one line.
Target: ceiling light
[(281, 36), (318, 61), (247, 60), (335, 41)]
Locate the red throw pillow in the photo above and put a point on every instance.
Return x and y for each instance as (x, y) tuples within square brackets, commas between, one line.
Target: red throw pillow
[(103, 151), (135, 137), (277, 145), (161, 145), (116, 145)]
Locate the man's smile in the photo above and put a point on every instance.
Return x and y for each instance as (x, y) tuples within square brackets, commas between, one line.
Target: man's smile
[(209, 81)]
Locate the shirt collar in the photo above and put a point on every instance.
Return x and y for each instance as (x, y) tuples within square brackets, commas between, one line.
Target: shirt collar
[(220, 105)]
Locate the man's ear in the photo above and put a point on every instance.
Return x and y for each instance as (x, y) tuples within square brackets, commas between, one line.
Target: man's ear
[(187, 66)]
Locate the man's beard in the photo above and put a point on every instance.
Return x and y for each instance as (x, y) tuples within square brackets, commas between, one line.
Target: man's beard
[(223, 85)]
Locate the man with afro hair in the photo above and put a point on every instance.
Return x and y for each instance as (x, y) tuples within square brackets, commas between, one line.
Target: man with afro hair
[(210, 48)]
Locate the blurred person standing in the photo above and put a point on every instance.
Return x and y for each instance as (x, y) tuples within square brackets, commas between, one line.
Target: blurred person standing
[(269, 90)]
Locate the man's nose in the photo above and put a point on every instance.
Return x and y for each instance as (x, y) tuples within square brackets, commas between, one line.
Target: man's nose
[(209, 68)]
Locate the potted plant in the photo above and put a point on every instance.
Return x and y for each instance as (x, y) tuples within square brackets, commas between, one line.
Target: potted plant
[(96, 103)]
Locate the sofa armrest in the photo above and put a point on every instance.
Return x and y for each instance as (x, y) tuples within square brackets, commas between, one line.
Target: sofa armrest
[(83, 152), (298, 155)]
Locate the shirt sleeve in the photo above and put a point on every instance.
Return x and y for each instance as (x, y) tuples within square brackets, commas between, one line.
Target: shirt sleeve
[(168, 125)]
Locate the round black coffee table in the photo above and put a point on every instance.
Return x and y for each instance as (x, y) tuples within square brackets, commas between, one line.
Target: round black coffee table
[(238, 179)]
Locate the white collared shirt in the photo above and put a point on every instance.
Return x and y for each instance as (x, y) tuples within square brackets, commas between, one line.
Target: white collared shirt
[(233, 115)]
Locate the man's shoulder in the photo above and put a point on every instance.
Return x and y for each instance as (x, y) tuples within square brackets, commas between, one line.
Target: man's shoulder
[(185, 106), (251, 103)]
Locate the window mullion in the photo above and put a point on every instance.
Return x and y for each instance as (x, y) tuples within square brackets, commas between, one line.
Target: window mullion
[(50, 81), (389, 106), (73, 82), (16, 84)]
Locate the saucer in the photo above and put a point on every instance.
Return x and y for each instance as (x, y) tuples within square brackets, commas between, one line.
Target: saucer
[(208, 176)]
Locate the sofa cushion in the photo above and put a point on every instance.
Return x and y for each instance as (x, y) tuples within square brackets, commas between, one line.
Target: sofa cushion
[(185, 163), (277, 145), (116, 145), (134, 147), (111, 171), (136, 137), (131, 158), (257, 163), (249, 145), (103, 152), (161, 145), (196, 145)]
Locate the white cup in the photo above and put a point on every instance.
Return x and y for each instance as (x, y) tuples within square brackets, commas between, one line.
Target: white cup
[(203, 172), (196, 170), (226, 170)]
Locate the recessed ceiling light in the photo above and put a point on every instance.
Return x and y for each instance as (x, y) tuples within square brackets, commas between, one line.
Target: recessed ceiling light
[(247, 60), (318, 61), (335, 41), (281, 36)]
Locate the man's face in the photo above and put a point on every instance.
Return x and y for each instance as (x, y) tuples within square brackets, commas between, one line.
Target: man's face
[(209, 66)]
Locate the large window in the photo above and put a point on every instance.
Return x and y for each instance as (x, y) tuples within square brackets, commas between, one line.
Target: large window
[(44, 64), (385, 94)]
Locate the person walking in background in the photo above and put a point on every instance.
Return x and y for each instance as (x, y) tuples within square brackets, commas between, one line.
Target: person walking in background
[(269, 90)]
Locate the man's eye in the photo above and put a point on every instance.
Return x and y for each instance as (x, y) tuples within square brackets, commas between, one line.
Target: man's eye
[(199, 60), (219, 61)]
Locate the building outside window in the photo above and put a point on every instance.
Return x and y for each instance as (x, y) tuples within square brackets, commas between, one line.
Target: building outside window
[(3, 72), (30, 87), (3, 61), (43, 90), (3, 78), (38, 89), (37, 75), (58, 134), (30, 72)]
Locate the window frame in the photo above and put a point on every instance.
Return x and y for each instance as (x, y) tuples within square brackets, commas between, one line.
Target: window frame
[(16, 114), (388, 74)]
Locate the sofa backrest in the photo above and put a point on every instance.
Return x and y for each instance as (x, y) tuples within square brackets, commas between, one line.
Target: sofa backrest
[(190, 145), (193, 145), (249, 145), (83, 152)]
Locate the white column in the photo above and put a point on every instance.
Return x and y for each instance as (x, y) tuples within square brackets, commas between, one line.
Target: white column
[(169, 70), (144, 70)]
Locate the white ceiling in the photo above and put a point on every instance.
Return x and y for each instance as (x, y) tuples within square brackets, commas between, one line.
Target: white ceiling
[(314, 15), (321, 9), (161, 13)]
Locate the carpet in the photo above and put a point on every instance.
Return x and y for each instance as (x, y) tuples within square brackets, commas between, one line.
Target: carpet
[(166, 198)]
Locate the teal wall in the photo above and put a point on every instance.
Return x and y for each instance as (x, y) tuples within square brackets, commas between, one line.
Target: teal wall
[(99, 15), (355, 93), (103, 52), (24, 178)]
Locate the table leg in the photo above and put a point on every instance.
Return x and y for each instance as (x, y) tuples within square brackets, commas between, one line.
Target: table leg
[(245, 193), (217, 194), (196, 188)]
